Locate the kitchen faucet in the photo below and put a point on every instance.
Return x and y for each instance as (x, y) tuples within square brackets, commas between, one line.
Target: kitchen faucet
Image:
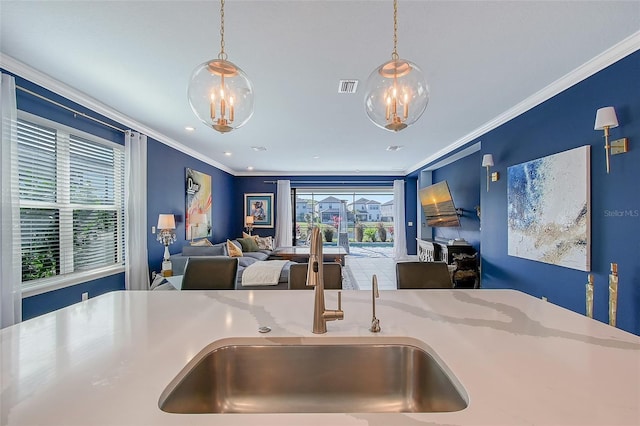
[(375, 322), (315, 278)]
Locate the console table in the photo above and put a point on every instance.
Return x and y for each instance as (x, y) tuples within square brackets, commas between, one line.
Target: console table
[(301, 254), (466, 273), (439, 251)]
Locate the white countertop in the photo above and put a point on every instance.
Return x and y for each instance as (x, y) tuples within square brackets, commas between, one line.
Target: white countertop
[(519, 359)]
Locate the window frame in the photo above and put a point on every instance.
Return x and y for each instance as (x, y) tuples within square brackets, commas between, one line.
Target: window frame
[(334, 189), (68, 279)]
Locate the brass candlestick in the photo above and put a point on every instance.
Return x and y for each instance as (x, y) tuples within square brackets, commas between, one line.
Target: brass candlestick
[(613, 294), (589, 287)]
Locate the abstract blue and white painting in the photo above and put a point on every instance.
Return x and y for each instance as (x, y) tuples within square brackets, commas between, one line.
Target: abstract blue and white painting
[(549, 209)]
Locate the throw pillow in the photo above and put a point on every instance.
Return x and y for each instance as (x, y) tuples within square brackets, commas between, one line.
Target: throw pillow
[(265, 243), (233, 250), (202, 243), (255, 237), (248, 244)]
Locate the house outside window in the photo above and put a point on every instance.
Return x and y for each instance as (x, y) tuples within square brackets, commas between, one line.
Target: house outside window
[(71, 187), (341, 208)]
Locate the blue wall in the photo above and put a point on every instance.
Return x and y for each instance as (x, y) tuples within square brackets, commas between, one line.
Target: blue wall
[(464, 185), (166, 168), (58, 299), (411, 213), (564, 122), (29, 103), (561, 123)]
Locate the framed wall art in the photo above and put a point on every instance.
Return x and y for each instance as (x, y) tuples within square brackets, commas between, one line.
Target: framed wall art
[(549, 209), (198, 205), (260, 206)]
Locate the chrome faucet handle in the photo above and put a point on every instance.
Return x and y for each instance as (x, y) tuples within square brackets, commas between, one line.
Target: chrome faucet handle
[(375, 322)]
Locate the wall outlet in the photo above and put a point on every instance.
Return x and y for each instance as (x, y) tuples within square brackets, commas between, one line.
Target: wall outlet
[(409, 223), (153, 229), (85, 296)]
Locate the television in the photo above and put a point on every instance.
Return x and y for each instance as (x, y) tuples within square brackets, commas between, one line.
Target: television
[(438, 206)]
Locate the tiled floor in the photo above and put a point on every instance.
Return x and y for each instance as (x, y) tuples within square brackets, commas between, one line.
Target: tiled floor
[(362, 264)]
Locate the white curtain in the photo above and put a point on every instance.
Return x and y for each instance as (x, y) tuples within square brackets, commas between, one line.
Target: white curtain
[(136, 271), (284, 229), (399, 234), (10, 247)]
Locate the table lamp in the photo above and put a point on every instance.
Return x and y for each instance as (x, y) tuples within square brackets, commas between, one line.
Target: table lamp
[(248, 223), (166, 236)]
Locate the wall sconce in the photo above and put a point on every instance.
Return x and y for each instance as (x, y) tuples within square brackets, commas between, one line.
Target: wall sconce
[(166, 236), (487, 161), (195, 220), (248, 223), (606, 119)]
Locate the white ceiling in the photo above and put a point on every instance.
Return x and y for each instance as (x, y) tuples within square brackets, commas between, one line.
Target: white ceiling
[(481, 59)]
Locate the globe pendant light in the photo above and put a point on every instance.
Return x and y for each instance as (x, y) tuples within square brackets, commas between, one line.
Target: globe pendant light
[(396, 92), (220, 94)]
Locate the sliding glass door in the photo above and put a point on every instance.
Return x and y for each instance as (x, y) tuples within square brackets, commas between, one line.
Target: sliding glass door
[(353, 215)]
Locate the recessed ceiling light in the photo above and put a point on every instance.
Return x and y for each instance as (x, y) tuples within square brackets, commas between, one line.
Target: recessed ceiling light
[(227, 153), (250, 168), (258, 148), (190, 129), (315, 157), (394, 147)]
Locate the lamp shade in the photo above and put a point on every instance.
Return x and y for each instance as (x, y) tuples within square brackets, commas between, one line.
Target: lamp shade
[(487, 160), (249, 220), (605, 117), (166, 221)]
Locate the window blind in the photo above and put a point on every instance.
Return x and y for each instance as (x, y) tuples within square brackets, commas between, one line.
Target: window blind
[(71, 201), (36, 162)]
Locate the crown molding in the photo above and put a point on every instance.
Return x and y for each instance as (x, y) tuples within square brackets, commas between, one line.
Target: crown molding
[(608, 57), (584, 71), (74, 95), (325, 173)]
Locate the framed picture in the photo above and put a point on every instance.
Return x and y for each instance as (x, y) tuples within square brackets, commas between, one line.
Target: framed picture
[(198, 204), (549, 209), (260, 206)]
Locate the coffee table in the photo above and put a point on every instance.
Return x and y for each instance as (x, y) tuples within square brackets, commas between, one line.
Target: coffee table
[(302, 253)]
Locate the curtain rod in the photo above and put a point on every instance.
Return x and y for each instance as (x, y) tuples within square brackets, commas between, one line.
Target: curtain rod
[(336, 182), (82, 114)]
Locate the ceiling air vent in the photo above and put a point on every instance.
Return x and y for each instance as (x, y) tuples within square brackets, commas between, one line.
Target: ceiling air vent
[(347, 86), (394, 148)]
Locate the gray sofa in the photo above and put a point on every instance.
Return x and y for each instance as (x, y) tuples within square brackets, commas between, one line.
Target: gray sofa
[(178, 262)]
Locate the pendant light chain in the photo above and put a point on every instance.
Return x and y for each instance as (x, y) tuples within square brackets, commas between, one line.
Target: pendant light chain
[(397, 92), (394, 55), (222, 55), (220, 93)]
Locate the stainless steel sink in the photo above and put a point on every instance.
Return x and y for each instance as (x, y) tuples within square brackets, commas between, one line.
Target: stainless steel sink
[(313, 378)]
